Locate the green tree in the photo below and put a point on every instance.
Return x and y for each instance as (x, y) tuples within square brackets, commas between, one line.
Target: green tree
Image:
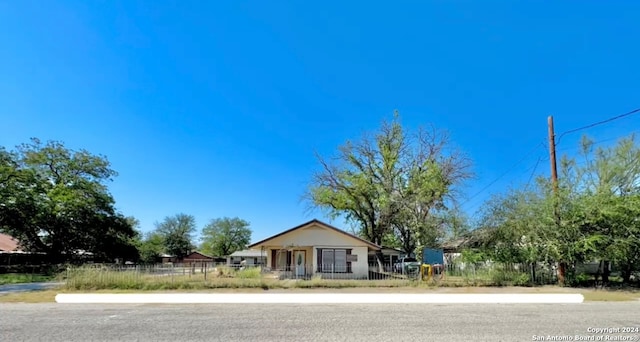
[(151, 247), (391, 183), (611, 187), (55, 200), (223, 236), (456, 223), (177, 234), (592, 215)]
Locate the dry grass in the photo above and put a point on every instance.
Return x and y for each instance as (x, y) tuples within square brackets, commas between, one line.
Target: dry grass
[(610, 296), (47, 296), (251, 280)]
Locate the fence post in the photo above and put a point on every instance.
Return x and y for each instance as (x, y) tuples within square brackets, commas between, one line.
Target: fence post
[(205, 271), (533, 273)]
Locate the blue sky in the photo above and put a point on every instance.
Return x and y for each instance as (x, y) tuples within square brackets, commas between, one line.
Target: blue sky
[(215, 108)]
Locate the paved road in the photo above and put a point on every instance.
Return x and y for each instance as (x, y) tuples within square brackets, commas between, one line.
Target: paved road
[(67, 322), (24, 287)]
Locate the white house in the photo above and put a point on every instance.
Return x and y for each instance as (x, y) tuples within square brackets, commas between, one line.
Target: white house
[(317, 248), (249, 256)]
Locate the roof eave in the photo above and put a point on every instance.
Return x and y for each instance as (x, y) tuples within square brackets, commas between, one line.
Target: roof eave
[(316, 221)]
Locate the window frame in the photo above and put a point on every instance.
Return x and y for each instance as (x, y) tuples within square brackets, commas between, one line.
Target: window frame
[(325, 268)]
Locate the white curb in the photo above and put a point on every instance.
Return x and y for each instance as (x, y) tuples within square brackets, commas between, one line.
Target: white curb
[(316, 298)]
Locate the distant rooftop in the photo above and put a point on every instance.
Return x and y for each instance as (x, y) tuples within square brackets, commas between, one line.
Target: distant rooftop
[(8, 243), (249, 253)]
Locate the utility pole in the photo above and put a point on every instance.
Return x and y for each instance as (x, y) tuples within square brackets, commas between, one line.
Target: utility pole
[(552, 154), (554, 179)]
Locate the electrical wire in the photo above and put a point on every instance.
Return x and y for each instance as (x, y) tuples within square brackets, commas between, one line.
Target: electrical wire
[(527, 155), (598, 123), (598, 142), (547, 158), (535, 167)]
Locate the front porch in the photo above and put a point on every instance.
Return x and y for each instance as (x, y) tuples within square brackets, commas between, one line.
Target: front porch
[(290, 262), (305, 262)]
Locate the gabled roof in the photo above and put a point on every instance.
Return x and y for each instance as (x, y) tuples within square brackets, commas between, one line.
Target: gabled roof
[(322, 224), (194, 253)]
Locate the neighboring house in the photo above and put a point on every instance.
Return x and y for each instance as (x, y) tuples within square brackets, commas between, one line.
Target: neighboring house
[(317, 248), (199, 258), (167, 259), (390, 256), (193, 257), (9, 244), (249, 256), (11, 253)]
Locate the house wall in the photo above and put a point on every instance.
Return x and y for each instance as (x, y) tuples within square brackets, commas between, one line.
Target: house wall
[(308, 251), (315, 235), (310, 239), (250, 261), (359, 269)]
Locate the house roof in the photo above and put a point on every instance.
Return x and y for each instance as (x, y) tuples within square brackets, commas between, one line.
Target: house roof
[(196, 253), (8, 243), (469, 239), (392, 249), (249, 253), (322, 224)]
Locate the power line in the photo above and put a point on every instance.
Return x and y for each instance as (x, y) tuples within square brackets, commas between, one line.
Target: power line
[(598, 123), (535, 167), (599, 141), (527, 155), (547, 158)]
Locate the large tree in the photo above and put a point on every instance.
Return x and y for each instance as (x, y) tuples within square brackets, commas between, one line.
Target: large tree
[(223, 236), (55, 200), (177, 234), (392, 183), (591, 216)]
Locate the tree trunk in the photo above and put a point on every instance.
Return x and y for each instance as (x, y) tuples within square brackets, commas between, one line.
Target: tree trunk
[(562, 272), (533, 272), (626, 274), (597, 275), (379, 255), (605, 272), (380, 261)]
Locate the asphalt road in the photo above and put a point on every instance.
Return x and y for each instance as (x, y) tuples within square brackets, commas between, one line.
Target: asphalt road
[(265, 323)]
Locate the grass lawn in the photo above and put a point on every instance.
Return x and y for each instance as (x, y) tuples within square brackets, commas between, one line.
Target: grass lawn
[(18, 278)]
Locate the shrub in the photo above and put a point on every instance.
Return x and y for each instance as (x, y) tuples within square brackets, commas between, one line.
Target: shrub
[(249, 273)]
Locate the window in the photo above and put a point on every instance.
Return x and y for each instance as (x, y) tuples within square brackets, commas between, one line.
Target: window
[(280, 259), (333, 260)]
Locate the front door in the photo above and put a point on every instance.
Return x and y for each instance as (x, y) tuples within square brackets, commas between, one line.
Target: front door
[(300, 261)]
